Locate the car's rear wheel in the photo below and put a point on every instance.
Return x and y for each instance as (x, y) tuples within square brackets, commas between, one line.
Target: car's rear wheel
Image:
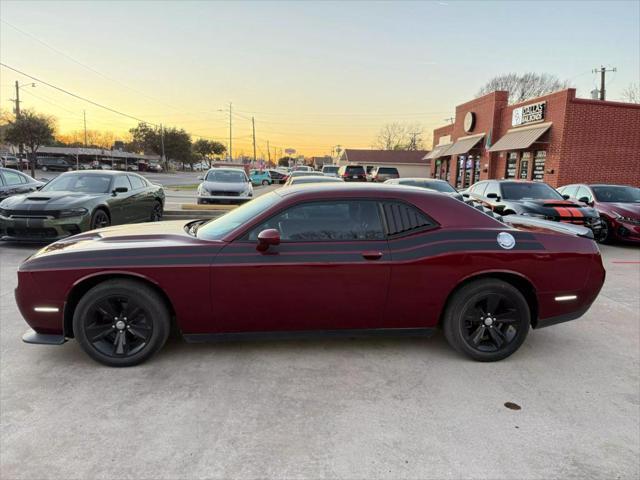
[(487, 320), (156, 213), (265, 182), (100, 219), (121, 323)]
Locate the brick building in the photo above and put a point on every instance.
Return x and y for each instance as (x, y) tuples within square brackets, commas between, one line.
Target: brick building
[(556, 138)]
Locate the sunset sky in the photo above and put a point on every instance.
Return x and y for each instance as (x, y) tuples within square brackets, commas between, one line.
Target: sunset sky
[(314, 74)]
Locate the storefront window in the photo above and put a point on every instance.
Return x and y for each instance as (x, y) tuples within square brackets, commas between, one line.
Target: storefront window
[(476, 169), (460, 174), (524, 165), (538, 165), (512, 159), (448, 171), (467, 171)]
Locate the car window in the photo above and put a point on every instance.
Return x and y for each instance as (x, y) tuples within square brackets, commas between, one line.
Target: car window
[(492, 187), (570, 190), (355, 169), (121, 181), (78, 182), (136, 182), (617, 193), (335, 220), (583, 192), (226, 176), (14, 178), (388, 170), (402, 218)]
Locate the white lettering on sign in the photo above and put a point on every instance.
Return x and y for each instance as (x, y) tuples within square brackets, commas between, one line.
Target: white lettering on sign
[(528, 114)]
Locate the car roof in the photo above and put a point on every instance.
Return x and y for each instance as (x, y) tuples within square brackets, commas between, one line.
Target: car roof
[(348, 189), (98, 172), (421, 179), (230, 169)]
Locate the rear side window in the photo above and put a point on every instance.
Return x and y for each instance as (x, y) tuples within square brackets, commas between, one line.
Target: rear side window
[(492, 187), (479, 188), (570, 190), (402, 218), (14, 178), (136, 182)]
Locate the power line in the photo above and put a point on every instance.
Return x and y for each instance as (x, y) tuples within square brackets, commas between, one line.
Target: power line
[(113, 110)]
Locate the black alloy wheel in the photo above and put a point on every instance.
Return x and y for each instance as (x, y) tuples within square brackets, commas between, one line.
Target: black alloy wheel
[(604, 234), (156, 213), (121, 322), (487, 320), (99, 219), (265, 182)]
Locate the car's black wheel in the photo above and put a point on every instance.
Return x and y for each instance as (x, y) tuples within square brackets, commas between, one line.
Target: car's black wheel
[(121, 323), (100, 219), (604, 236), (487, 320), (156, 213), (265, 182)]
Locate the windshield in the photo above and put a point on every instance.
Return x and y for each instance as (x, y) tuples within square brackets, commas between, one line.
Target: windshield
[(529, 191), (617, 194), (225, 176), (437, 186), (355, 169), (219, 227), (330, 169), (74, 182)]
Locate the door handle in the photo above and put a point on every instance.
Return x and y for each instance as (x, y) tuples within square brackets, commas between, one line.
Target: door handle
[(372, 255)]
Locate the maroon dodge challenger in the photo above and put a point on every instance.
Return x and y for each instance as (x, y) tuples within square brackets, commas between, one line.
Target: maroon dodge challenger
[(352, 259)]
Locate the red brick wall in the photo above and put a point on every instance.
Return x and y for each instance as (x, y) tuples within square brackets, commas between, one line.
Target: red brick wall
[(438, 133), (601, 143)]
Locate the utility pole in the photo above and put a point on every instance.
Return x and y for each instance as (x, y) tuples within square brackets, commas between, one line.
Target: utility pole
[(230, 134), (17, 100), (602, 71), (268, 153), (164, 160), (253, 126), (84, 114)]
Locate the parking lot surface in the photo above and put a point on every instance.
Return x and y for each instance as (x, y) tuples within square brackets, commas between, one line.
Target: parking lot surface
[(379, 408)]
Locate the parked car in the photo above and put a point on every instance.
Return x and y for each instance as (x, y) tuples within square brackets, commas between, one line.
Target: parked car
[(9, 161), (382, 174), (352, 173), (260, 177), (278, 176), (79, 201), (13, 182), (330, 170), (154, 167), (534, 199), (225, 185), (441, 186), (426, 258), (55, 164), (618, 206), (299, 180), (302, 168)]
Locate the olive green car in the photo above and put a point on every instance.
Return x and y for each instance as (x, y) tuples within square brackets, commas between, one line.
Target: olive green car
[(75, 202)]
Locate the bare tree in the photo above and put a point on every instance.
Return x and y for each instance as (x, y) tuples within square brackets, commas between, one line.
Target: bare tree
[(525, 86), (396, 136), (32, 130), (631, 94)]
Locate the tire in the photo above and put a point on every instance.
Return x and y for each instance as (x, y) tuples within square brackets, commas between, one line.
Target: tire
[(156, 212), (265, 182), (605, 234), (100, 219), (106, 330), (469, 329)]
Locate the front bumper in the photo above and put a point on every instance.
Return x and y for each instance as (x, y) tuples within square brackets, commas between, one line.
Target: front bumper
[(42, 229), (625, 231), (244, 197)]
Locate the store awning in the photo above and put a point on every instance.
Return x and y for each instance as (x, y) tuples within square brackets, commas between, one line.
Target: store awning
[(519, 138), (437, 152), (464, 144)]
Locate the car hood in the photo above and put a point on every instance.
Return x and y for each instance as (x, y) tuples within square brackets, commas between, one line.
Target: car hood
[(554, 207), (120, 241), (49, 200), (625, 209), (224, 186)]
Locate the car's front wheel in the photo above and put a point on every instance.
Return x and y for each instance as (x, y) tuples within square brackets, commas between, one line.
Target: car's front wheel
[(604, 235), (121, 322), (487, 320), (156, 213), (100, 219), (265, 182)]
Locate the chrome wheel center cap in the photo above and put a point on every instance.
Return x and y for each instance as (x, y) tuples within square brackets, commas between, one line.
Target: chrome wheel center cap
[(120, 325), (488, 321)]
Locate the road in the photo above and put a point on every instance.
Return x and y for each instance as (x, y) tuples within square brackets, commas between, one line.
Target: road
[(378, 408)]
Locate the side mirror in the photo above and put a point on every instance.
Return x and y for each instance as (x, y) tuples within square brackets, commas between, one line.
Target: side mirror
[(465, 195), (494, 195), (120, 190), (583, 200), (266, 238), (566, 197)]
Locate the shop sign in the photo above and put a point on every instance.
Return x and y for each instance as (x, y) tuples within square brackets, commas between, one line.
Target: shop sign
[(469, 122), (528, 114), (511, 165), (538, 165)]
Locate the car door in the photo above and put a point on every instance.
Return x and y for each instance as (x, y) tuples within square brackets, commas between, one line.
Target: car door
[(14, 184), (120, 204), (141, 199), (330, 270)]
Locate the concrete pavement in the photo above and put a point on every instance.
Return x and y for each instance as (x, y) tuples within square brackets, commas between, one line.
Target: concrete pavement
[(379, 408)]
